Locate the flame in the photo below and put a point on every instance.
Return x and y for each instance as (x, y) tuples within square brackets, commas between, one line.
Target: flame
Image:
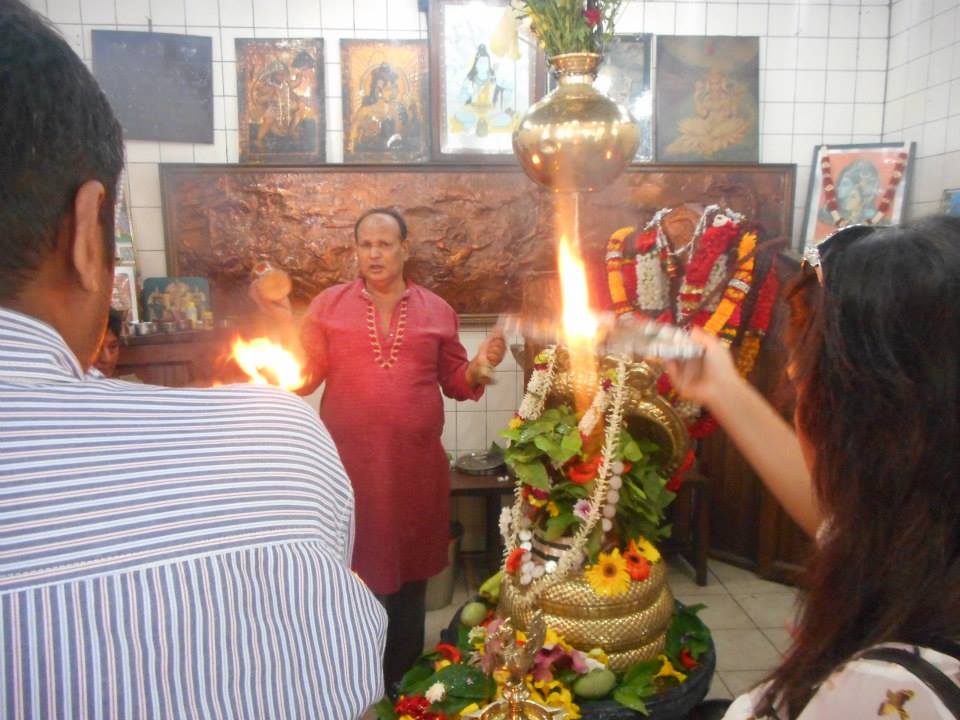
[(579, 324), (267, 363)]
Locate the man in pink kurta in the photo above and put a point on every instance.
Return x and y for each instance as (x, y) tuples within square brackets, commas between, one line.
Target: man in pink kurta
[(384, 347), (387, 421)]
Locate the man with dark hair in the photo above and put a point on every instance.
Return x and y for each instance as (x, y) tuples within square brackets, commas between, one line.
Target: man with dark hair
[(165, 553)]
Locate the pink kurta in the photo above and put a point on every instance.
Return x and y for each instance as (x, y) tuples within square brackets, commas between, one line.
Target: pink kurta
[(387, 423)]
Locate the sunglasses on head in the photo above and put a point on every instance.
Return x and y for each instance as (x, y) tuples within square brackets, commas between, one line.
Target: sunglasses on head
[(814, 255)]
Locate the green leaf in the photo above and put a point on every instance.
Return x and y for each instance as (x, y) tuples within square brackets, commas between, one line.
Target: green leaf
[(461, 681), (642, 673), (415, 675), (384, 710), (533, 474), (631, 450), (572, 443), (557, 526), (510, 433), (550, 446), (629, 698), (687, 630)]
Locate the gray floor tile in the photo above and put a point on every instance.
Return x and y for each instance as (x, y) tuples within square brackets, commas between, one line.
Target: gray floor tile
[(769, 610), (742, 649), (718, 690), (780, 637), (730, 573), (756, 586), (740, 681), (721, 612)]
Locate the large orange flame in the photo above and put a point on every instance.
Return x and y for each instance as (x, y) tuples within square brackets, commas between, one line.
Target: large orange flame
[(267, 363)]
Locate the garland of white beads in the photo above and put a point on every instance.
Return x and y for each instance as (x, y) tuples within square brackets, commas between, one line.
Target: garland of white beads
[(538, 577)]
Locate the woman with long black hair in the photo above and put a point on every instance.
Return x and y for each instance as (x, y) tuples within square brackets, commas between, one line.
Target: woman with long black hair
[(872, 471)]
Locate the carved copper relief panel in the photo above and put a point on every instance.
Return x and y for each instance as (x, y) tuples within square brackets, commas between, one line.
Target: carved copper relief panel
[(477, 232)]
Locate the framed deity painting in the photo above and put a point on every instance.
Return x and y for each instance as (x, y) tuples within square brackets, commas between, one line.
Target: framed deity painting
[(280, 99), (160, 85), (851, 184), (386, 101), (625, 77), (950, 203), (124, 296), (477, 97), (124, 253), (708, 91)]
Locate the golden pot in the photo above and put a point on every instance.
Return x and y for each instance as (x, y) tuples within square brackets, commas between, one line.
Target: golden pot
[(629, 627), (576, 138)]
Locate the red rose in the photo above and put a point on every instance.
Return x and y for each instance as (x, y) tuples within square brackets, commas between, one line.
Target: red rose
[(592, 16), (686, 659), (584, 472), (449, 652)]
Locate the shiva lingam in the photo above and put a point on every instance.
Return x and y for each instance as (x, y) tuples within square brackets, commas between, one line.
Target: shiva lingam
[(550, 576)]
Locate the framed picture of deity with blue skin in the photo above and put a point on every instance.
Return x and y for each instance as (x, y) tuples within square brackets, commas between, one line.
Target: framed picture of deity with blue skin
[(477, 97), (861, 184)]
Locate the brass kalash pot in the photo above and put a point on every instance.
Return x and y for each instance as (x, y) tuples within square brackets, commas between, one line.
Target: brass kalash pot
[(632, 626)]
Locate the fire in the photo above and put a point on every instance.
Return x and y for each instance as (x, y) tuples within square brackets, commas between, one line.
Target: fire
[(579, 324), (267, 363)]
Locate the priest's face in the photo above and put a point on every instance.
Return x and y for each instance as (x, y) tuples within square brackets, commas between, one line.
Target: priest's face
[(381, 252)]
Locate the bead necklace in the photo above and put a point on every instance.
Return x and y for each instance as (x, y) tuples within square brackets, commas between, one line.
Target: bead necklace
[(375, 336)]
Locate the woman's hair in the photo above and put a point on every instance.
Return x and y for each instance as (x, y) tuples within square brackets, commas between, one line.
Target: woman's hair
[(875, 356)]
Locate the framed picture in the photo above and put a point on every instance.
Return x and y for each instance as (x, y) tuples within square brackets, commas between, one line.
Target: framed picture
[(124, 296), (386, 101), (159, 84), (176, 299), (708, 91), (950, 204), (477, 99), (625, 77), (852, 184), (122, 229), (280, 100)]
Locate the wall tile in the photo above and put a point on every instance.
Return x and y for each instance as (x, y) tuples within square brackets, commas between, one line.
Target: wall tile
[(841, 86), (838, 118), (497, 420), (269, 14), (63, 11), (892, 118), (147, 228), (98, 11), (176, 152), (502, 394), (778, 53), (215, 153), (231, 112), (233, 146), (868, 118), (370, 14), (471, 431), (934, 140), (151, 263), (919, 38), (228, 43), (333, 87), (808, 118), (721, 18), (660, 18), (449, 435), (334, 147), (897, 51), (142, 151), (953, 137), (842, 54), (812, 53), (844, 21), (303, 13), (752, 19), (784, 20), (775, 149), (951, 168), (229, 70), (811, 85), (896, 83), (871, 86), (814, 20), (778, 85), (803, 145), (144, 184), (403, 15), (899, 16), (169, 12), (954, 107), (203, 12), (237, 13), (631, 18), (917, 72), (936, 103), (691, 18), (938, 70), (777, 118), (927, 179), (874, 21), (872, 54), (920, 10)]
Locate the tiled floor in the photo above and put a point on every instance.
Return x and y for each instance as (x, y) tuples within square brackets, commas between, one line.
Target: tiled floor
[(748, 617)]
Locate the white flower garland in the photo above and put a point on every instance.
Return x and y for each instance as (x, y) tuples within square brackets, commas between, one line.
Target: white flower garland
[(540, 383), (572, 557)]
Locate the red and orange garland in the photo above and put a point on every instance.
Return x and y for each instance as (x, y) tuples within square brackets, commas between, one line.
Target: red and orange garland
[(886, 201), (706, 268)]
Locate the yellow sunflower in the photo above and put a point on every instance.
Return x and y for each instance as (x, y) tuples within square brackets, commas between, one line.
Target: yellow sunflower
[(646, 548), (609, 576)]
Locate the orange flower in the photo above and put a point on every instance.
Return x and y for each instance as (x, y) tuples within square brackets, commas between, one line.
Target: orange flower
[(637, 565), (448, 651)]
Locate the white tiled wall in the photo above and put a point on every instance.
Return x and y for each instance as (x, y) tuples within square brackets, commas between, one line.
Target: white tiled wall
[(923, 94), (823, 78)]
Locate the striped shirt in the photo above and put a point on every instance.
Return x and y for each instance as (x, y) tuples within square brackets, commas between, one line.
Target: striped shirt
[(172, 553)]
